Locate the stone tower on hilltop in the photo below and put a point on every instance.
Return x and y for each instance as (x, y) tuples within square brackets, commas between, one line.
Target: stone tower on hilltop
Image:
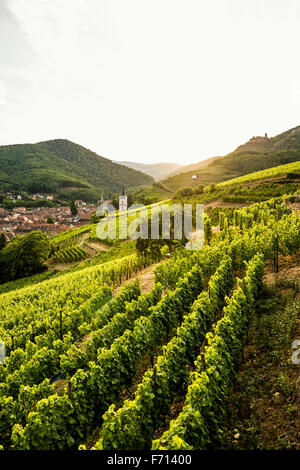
[(259, 139), (123, 201)]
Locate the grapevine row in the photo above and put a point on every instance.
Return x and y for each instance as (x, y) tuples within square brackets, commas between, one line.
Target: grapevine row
[(199, 424), (133, 425)]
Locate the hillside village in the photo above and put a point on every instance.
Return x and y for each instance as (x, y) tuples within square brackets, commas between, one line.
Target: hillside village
[(50, 220)]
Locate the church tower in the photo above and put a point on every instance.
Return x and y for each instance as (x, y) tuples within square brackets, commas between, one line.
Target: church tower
[(123, 201)]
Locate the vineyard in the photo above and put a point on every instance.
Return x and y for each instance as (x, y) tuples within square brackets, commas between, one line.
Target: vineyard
[(90, 367), (290, 169), (70, 255)]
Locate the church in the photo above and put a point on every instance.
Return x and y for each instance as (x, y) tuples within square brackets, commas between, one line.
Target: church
[(123, 201)]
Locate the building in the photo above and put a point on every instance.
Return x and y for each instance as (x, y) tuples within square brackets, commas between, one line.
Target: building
[(259, 139), (123, 201)]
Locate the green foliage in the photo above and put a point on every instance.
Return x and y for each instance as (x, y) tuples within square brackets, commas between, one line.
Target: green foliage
[(24, 256), (199, 423), (208, 230), (221, 220), (73, 208), (199, 189), (149, 247), (3, 241), (134, 424), (211, 188), (92, 391), (27, 281), (40, 335), (40, 306), (150, 194), (183, 192), (70, 255), (104, 337), (290, 170), (29, 204), (64, 168)]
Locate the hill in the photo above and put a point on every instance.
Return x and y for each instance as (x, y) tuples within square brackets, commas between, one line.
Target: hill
[(64, 168), (259, 153), (194, 166), (243, 191), (158, 171), (291, 171)]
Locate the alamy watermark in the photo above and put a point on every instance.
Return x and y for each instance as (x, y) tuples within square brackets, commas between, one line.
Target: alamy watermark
[(2, 352), (159, 221), (296, 354)]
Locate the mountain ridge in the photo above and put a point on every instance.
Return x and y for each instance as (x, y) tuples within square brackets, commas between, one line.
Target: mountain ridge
[(259, 153), (64, 168)]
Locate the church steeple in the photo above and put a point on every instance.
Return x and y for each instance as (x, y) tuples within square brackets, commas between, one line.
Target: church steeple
[(123, 201)]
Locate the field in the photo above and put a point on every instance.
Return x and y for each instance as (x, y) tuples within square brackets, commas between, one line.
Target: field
[(291, 170), (125, 353)]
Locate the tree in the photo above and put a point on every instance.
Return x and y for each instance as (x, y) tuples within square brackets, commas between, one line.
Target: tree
[(211, 188), (129, 200), (3, 241), (183, 192), (148, 247), (24, 256), (115, 203), (73, 208), (8, 204), (50, 220), (199, 189)]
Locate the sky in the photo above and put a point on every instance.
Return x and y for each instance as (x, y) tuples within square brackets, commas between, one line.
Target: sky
[(149, 81)]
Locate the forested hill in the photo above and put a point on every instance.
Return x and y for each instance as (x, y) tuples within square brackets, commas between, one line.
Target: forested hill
[(259, 153), (64, 168)]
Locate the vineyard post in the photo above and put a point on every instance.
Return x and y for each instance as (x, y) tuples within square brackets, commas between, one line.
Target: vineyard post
[(69, 390), (60, 325), (151, 359), (167, 273), (202, 355), (276, 254)]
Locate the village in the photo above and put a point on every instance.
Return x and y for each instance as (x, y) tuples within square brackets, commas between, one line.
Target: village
[(50, 220)]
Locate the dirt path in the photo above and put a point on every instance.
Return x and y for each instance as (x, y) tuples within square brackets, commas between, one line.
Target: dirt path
[(146, 277), (220, 203), (289, 271), (97, 246), (83, 238)]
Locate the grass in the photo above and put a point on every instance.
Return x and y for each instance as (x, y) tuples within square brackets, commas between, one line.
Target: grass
[(263, 410)]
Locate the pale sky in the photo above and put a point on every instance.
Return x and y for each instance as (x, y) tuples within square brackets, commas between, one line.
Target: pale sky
[(149, 80)]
